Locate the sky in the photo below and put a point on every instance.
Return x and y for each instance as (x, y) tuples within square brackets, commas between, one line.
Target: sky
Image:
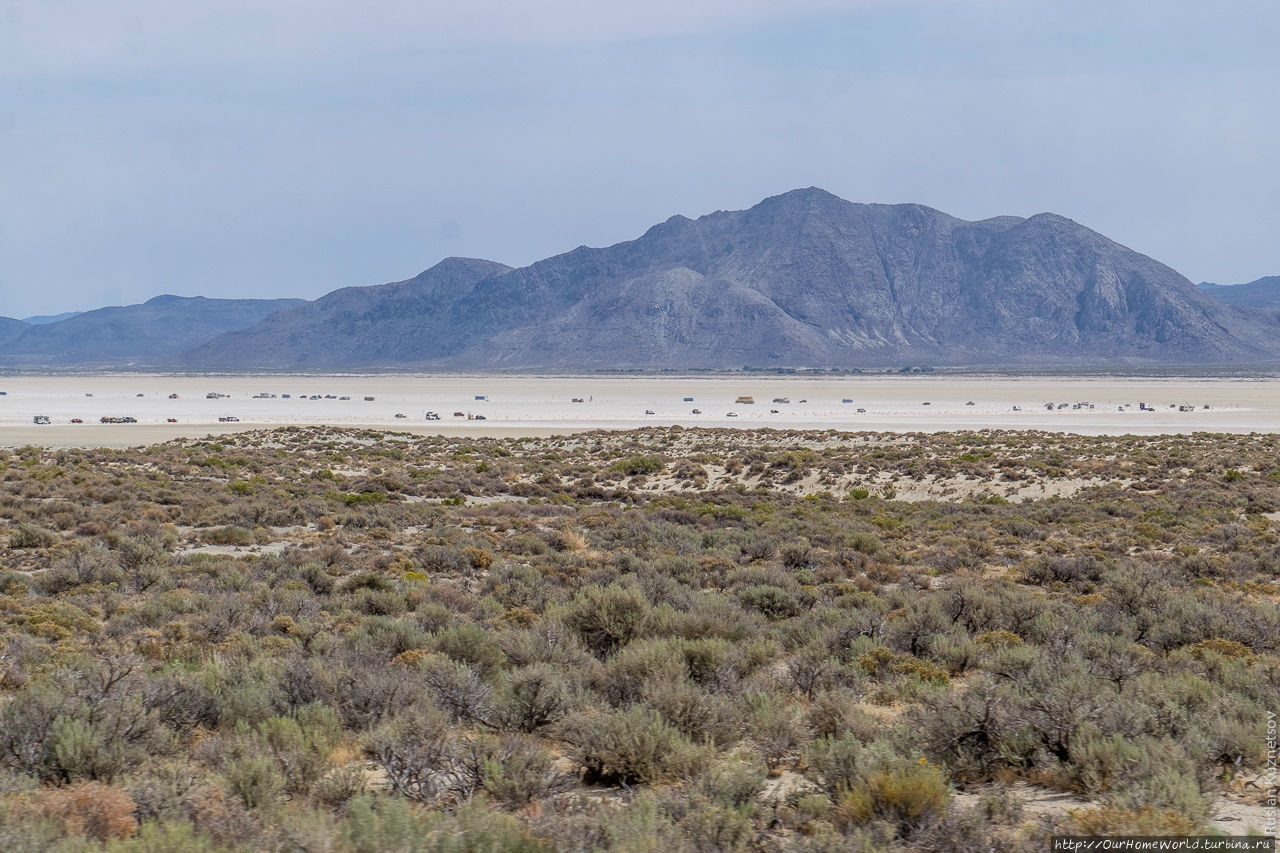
[(267, 148)]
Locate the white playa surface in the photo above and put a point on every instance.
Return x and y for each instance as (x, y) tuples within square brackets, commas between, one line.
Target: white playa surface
[(543, 405)]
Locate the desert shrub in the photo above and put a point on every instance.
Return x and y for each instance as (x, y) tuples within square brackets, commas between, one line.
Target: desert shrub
[(606, 618), (86, 722), (637, 669), (166, 836), (376, 581), (475, 828), (998, 639), (256, 780), (518, 585), (300, 745), (834, 713), (145, 559), (30, 535), (82, 750), (702, 717), (834, 763), (514, 770), (1118, 820), (457, 688), (90, 809), (411, 749), (1137, 773), (532, 697), (797, 555), (972, 732), (707, 825), (775, 727), (230, 535), (159, 789), (378, 823), (1063, 569), (388, 636), (735, 782), (386, 602), (638, 464), (550, 641), (759, 548), (813, 669), (340, 786), (872, 783), (707, 660), (241, 692), (442, 559), (469, 643), (865, 542), (771, 602), (363, 695), (631, 746), (84, 565)]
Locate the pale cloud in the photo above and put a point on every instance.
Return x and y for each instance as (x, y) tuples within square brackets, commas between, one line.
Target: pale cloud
[(286, 148), (67, 36)]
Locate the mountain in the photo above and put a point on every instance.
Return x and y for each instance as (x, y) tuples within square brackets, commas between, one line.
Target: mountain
[(383, 325), (10, 329), (146, 334), (804, 279), (45, 319), (1263, 293)]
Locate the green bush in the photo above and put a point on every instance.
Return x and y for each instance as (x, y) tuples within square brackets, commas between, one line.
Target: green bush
[(515, 770), (256, 780), (634, 465), (629, 747), (606, 618), (532, 697), (29, 535), (469, 643)]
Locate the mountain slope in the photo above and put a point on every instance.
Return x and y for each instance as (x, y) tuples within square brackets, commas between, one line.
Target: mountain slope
[(801, 279), (152, 332), (382, 325), (1263, 293), (10, 329)]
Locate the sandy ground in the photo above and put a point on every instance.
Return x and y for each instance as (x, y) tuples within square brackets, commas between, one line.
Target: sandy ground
[(542, 405)]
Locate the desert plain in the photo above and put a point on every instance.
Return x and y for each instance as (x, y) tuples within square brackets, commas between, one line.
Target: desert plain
[(510, 405)]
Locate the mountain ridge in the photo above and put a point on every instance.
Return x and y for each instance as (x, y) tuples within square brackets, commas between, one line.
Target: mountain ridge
[(802, 279), (153, 332), (1260, 293)]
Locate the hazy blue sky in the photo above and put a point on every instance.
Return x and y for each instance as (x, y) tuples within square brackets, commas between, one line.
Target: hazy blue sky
[(288, 147)]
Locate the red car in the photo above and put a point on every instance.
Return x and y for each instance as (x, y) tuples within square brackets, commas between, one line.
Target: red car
[(76, 421)]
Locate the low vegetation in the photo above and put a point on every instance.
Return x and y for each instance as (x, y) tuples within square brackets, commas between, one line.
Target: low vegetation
[(327, 640)]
